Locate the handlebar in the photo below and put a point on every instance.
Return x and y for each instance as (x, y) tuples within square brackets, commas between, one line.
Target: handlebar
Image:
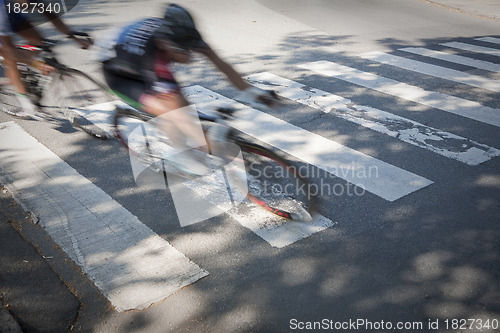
[(81, 35)]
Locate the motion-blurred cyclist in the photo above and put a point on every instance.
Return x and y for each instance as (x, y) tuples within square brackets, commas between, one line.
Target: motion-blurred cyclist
[(137, 66), (12, 21)]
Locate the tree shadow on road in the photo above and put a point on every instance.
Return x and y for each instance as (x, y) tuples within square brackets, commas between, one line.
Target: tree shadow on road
[(430, 255)]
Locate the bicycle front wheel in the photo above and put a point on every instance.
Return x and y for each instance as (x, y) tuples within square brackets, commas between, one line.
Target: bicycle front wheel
[(138, 132), (275, 185), (8, 101)]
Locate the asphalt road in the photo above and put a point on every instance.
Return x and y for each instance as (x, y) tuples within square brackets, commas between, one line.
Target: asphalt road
[(429, 256)]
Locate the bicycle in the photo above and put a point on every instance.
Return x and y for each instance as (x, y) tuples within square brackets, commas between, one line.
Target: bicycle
[(63, 92), (270, 181)]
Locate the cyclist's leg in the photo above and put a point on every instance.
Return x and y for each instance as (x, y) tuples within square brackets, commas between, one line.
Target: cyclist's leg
[(22, 27), (11, 71), (178, 120), (11, 55), (28, 109), (25, 29), (176, 115)]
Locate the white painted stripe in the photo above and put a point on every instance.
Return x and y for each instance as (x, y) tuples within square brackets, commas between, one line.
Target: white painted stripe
[(473, 48), (485, 65), (375, 176), (128, 262), (443, 143), (493, 40), (433, 70), (455, 105)]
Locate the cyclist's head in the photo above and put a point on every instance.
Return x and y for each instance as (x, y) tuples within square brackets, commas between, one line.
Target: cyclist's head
[(179, 28)]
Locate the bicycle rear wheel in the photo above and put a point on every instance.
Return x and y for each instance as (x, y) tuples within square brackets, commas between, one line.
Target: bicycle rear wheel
[(275, 185), (85, 102)]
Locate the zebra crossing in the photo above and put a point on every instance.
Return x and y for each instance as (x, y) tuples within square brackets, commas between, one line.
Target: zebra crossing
[(391, 182)]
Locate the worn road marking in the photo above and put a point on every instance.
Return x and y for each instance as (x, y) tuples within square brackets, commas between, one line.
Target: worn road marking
[(420, 135)]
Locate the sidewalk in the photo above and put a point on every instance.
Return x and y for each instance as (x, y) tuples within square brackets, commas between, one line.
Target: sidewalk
[(485, 9)]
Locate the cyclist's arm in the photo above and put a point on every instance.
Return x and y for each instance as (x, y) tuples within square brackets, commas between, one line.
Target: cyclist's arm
[(63, 28), (250, 94), (233, 76)]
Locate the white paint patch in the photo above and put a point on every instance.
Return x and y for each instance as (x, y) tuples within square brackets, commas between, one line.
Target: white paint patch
[(457, 59), (433, 70), (473, 48), (455, 105), (443, 143), (277, 231), (385, 180), (131, 265)]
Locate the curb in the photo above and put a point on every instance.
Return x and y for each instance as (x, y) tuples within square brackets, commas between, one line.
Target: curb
[(461, 11), (7, 323)]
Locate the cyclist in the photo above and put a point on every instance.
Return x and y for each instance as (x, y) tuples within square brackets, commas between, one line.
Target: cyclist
[(137, 66), (14, 22)]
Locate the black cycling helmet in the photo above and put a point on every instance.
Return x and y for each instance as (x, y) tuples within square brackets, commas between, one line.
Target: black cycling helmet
[(179, 28)]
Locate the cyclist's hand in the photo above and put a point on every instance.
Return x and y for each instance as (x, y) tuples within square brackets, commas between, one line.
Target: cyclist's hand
[(81, 38), (254, 95)]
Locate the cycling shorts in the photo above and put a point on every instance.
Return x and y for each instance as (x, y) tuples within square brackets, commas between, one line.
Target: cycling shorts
[(132, 91), (11, 22)]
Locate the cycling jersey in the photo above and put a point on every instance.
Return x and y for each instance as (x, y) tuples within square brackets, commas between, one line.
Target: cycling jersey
[(133, 66), (133, 53)]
